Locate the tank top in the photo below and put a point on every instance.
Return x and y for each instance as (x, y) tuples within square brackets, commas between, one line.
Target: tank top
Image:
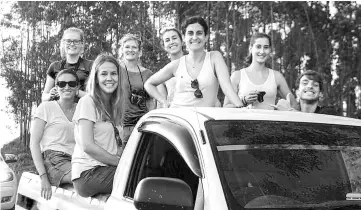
[(208, 84), (269, 86)]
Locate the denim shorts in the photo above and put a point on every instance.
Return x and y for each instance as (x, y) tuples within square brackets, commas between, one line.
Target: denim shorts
[(98, 180), (57, 165)]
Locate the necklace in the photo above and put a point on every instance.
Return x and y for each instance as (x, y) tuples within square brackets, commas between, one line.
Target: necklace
[(194, 64)]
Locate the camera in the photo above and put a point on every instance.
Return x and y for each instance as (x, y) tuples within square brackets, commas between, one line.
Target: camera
[(260, 95)]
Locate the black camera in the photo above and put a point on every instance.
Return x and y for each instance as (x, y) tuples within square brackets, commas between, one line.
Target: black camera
[(138, 97), (260, 95)]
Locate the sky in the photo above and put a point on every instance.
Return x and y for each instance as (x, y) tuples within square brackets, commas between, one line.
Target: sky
[(8, 130)]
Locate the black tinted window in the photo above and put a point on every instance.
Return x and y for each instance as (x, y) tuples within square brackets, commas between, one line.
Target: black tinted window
[(267, 164)]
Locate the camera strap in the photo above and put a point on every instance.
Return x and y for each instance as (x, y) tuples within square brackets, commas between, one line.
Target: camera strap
[(130, 84)]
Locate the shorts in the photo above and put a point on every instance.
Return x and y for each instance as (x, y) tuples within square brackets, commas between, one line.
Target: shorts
[(98, 180), (57, 165)]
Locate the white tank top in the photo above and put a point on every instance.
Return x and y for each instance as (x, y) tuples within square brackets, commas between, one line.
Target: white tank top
[(208, 84), (269, 86)]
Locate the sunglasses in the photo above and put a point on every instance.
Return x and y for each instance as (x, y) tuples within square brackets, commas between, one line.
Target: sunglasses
[(198, 92), (117, 136), (74, 41), (62, 84)]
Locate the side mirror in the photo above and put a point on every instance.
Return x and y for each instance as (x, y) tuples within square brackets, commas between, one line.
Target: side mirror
[(163, 193), (10, 158)]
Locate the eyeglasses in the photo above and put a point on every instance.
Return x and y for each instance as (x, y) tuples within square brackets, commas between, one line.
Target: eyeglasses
[(74, 41), (117, 136), (198, 92), (62, 84)]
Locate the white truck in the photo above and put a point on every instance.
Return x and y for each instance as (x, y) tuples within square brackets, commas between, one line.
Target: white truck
[(219, 158)]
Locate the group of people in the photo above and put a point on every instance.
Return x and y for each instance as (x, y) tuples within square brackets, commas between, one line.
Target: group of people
[(90, 108)]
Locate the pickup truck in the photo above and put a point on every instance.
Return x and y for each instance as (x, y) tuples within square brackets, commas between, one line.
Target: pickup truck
[(224, 158)]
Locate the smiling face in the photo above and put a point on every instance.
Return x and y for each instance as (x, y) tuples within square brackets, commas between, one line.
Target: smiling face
[(172, 42), (67, 92), (107, 76), (261, 50), (72, 43), (308, 90), (131, 50), (195, 37)]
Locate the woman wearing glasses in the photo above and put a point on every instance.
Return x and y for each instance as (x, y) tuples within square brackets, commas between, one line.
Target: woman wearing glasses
[(97, 121), (137, 100), (198, 74), (52, 134), (71, 48)]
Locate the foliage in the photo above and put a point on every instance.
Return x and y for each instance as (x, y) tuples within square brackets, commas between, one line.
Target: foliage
[(305, 35)]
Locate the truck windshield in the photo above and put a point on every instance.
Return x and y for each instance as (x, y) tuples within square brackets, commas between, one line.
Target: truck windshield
[(272, 164)]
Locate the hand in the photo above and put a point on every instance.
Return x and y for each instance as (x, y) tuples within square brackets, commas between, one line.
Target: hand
[(251, 97), (54, 92), (283, 105), (165, 104), (46, 191)]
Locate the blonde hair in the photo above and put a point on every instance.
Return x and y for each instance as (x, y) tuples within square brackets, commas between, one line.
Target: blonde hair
[(130, 37), (62, 45), (117, 97)]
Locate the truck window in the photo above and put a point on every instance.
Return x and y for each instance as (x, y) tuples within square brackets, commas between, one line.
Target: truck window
[(156, 157)]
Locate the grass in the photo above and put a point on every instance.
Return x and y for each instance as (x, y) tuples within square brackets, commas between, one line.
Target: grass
[(23, 154)]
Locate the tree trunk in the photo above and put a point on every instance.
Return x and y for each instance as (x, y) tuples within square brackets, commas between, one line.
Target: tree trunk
[(227, 35), (312, 35)]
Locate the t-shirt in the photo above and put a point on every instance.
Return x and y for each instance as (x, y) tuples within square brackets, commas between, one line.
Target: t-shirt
[(83, 71), (103, 136), (133, 112), (58, 132)]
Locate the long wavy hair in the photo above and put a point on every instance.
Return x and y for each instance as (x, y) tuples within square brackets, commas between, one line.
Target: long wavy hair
[(62, 45), (251, 43), (117, 97)]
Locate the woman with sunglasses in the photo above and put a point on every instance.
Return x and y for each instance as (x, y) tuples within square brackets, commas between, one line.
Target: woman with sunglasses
[(71, 48), (258, 80), (137, 100), (97, 121), (198, 74), (52, 134)]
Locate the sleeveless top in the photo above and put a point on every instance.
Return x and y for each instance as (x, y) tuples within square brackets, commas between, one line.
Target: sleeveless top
[(208, 84), (269, 86)]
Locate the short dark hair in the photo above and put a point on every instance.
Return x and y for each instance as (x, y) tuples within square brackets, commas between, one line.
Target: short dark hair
[(312, 75), (192, 20)]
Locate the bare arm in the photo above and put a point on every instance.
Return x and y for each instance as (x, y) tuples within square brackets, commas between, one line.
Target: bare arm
[(163, 91), (86, 129), (49, 84), (235, 78), (284, 90), (223, 78), (37, 130), (158, 78)]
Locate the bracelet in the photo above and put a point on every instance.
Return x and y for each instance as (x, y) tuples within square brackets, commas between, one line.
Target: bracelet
[(42, 174), (244, 101)]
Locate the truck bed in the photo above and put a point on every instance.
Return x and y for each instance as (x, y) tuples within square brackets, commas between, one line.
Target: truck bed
[(62, 197)]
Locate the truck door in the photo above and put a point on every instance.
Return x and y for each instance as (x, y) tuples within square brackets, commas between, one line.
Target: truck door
[(169, 152)]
